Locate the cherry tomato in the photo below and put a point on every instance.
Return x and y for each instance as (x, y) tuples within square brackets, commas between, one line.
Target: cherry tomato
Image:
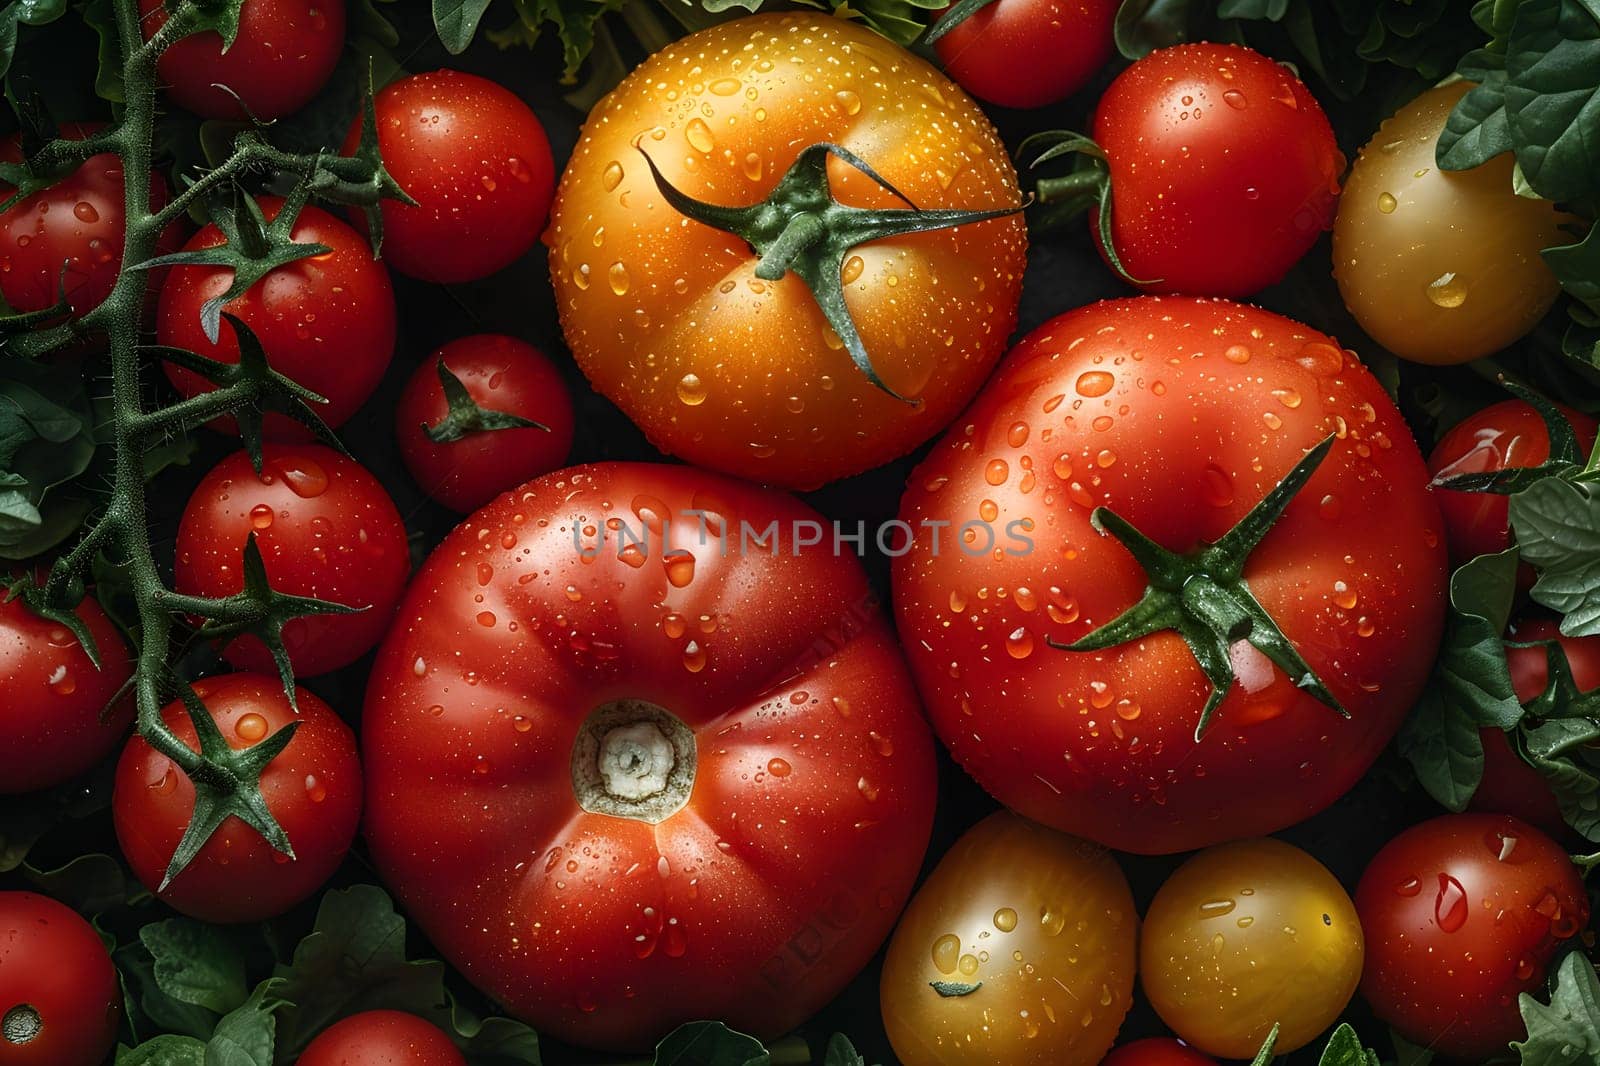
[(1462, 914), (1028, 53), (1019, 948), (1156, 1051), (340, 302), (381, 1038), (477, 162), (1440, 266), (1247, 935), (59, 996), (1224, 170), (500, 374), (1083, 414), (710, 784), (51, 725), (668, 317), (325, 528), (282, 56), (312, 787)]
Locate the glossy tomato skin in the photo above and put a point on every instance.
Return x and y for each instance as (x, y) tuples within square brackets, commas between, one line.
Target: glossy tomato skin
[(1028, 53), (720, 368), (313, 788), (327, 321), (1440, 266), (326, 529), (1042, 922), (283, 55), (1245, 936), (1083, 414), (501, 374), (477, 162), (1224, 170), (1156, 1051), (813, 782), (59, 996), (381, 1038), (50, 719), (1462, 914)]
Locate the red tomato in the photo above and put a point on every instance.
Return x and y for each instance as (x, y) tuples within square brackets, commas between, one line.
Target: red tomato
[(283, 55), (1461, 915), (59, 996), (477, 162), (327, 322), (1028, 53), (326, 529), (1501, 436), (500, 374), (1157, 1051), (745, 717), (313, 789), (1224, 170), (1179, 415), (51, 729), (381, 1038)]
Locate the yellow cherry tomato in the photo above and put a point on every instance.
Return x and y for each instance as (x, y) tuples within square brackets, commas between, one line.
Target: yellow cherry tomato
[(1245, 935), (1018, 949), (1440, 266)]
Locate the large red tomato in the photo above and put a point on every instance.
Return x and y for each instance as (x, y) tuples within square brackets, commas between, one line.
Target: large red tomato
[(1028, 53), (1179, 415), (59, 997), (381, 1038), (625, 785)]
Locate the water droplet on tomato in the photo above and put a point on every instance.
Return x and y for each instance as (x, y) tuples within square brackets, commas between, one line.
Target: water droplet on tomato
[(1235, 99), (1093, 383), (1005, 919), (305, 477), (316, 791), (1450, 905), (617, 274), (261, 516), (691, 391), (1019, 644), (611, 177), (1447, 291), (679, 565), (849, 100), (946, 952), (694, 657), (698, 134), (1387, 203), (778, 767), (84, 211), (250, 727), (996, 471)]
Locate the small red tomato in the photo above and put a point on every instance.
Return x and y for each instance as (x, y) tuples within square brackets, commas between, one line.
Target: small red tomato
[(1461, 915), (1028, 53), (475, 159), (325, 528), (59, 996), (381, 1038), (1157, 1051), (500, 374), (312, 787)]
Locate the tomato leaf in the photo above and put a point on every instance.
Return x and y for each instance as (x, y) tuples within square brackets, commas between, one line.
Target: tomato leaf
[(165, 1050), (1142, 26), (710, 1044), (196, 963), (841, 1052), (1567, 1029), (1345, 1048), (1443, 747), (46, 440), (575, 23), (1472, 670), (90, 884), (1477, 129), (1577, 266), (1557, 526), (1552, 95), (456, 22), (1271, 10), (246, 1036)]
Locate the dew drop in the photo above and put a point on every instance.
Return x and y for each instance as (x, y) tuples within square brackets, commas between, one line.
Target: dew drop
[(261, 516), (250, 727), (698, 134), (1450, 905), (946, 951), (1005, 919), (1093, 383), (617, 274), (691, 390), (1387, 203), (1445, 291)]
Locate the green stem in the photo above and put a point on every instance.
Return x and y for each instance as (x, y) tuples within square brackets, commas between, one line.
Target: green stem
[(1069, 186)]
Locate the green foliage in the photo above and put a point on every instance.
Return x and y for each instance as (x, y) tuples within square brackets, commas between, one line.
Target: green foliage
[(46, 441), (1566, 1031)]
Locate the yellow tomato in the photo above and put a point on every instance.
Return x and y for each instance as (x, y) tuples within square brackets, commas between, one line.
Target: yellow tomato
[(1245, 935), (1440, 266), (1019, 949)]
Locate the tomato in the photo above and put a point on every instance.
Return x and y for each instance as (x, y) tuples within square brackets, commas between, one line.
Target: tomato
[(1019, 948), (312, 787), (1156, 1051), (668, 317), (325, 529), (1462, 914), (500, 374), (477, 162), (1224, 169), (1440, 266), (339, 302), (1179, 415), (59, 996), (51, 725), (381, 1038), (1247, 935), (1502, 436), (282, 56), (625, 785), (1028, 53)]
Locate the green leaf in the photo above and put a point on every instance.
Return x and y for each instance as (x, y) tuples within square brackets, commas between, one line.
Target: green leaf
[(163, 1013), (1578, 267), (710, 1044), (165, 1050), (99, 16), (46, 441), (841, 1052), (456, 22), (575, 23), (1143, 26), (246, 1036), (1477, 129), (1567, 1029), (1270, 10), (1444, 749), (1557, 526), (90, 884), (1346, 1049), (1472, 670), (197, 964), (1552, 95)]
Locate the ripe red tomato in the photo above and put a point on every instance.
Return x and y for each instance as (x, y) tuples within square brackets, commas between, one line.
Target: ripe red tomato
[(500, 374), (59, 996), (1156, 1051), (381, 1038), (1502, 436), (1224, 170), (313, 789), (1179, 415), (1461, 915), (51, 729), (744, 717), (477, 162), (326, 529), (327, 322), (1028, 53), (283, 55)]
